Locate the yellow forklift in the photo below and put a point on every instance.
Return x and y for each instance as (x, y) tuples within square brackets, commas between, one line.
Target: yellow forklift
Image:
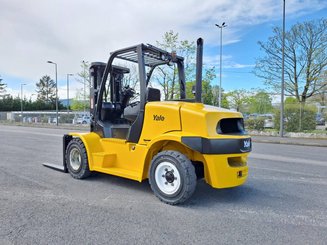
[(171, 143)]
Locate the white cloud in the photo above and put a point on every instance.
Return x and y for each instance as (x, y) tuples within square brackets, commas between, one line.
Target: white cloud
[(227, 62), (27, 91), (237, 65), (68, 32)]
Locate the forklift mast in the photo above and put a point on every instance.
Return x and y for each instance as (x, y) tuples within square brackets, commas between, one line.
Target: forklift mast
[(96, 72)]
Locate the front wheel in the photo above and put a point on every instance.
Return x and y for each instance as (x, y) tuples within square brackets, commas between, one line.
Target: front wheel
[(76, 159), (172, 177)]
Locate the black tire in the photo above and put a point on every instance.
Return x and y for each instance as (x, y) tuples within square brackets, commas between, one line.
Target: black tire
[(172, 177), (76, 159)]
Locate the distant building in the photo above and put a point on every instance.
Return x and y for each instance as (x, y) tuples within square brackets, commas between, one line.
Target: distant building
[(64, 102)]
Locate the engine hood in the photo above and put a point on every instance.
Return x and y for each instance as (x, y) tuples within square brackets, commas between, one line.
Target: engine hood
[(202, 120)]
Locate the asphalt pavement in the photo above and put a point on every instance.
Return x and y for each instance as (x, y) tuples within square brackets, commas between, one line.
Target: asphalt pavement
[(284, 200), (290, 140)]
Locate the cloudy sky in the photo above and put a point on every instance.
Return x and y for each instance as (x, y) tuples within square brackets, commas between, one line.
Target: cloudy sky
[(67, 32)]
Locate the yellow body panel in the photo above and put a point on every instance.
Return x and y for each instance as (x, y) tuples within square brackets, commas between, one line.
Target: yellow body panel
[(201, 120), (220, 173), (114, 156), (165, 123), (160, 118)]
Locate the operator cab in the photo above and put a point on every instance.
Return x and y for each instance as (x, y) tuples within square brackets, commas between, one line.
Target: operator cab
[(119, 94)]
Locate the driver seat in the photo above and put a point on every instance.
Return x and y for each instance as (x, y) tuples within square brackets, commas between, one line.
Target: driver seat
[(132, 110), (153, 94)]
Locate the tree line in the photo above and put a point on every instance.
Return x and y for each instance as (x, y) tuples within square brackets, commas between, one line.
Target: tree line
[(46, 97), (2, 86), (10, 103)]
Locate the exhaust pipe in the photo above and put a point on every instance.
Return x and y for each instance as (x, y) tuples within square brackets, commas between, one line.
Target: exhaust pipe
[(199, 57)]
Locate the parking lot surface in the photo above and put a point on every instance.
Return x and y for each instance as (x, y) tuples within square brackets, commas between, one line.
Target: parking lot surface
[(283, 202)]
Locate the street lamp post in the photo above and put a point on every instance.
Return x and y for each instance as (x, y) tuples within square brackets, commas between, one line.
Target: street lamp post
[(84, 86), (50, 62), (281, 122), (69, 74), (21, 100), (221, 52)]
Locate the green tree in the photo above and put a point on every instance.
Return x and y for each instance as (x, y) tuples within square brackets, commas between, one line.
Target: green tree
[(224, 100), (238, 99), (187, 50), (207, 93), (260, 103), (46, 90), (321, 97), (291, 101), (167, 77), (2, 86), (84, 79), (210, 94), (78, 103), (6, 103), (189, 86), (305, 59), (9, 103), (82, 98), (293, 120)]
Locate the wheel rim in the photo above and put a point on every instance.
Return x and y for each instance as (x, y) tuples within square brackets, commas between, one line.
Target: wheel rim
[(75, 159), (167, 178)]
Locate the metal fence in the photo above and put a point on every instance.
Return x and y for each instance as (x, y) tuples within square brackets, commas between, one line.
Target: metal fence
[(42, 116)]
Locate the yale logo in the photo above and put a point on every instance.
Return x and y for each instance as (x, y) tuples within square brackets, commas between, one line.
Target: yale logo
[(247, 143), (158, 118)]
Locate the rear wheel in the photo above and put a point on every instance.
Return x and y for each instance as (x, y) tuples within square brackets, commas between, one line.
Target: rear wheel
[(172, 177), (76, 159)]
